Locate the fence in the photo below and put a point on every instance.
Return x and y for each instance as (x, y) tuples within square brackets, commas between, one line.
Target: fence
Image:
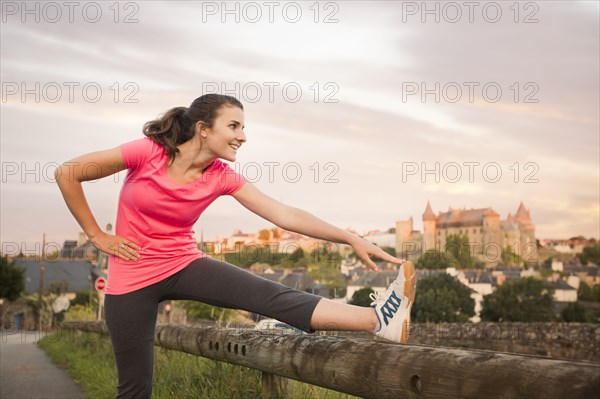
[(378, 369)]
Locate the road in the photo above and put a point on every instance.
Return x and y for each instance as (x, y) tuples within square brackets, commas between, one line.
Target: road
[(27, 372)]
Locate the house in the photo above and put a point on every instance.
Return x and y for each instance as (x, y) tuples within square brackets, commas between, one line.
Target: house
[(505, 274), (349, 265), (557, 266), (79, 249), (381, 280), (70, 276), (481, 283), (382, 238), (574, 281), (297, 279), (563, 292), (377, 281), (271, 274), (572, 246), (587, 274), (276, 240)]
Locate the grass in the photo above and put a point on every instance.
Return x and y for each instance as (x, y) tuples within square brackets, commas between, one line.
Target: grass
[(89, 360)]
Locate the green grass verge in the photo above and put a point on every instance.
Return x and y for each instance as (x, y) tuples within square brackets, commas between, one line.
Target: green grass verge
[(89, 360)]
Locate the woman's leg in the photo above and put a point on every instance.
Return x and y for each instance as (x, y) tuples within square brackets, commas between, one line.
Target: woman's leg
[(131, 319), (331, 315), (388, 318), (221, 284)]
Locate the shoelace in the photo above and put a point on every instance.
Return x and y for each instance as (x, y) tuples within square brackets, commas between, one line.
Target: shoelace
[(380, 297)]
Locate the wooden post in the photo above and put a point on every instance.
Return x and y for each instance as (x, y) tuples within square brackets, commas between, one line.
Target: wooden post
[(273, 386), (375, 369)]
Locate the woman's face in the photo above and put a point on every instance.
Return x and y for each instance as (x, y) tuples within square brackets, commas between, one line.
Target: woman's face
[(227, 134)]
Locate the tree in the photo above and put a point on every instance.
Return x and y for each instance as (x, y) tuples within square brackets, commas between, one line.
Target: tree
[(508, 257), (362, 297), (326, 253), (58, 287), (574, 312), (587, 293), (433, 259), (85, 298), (459, 248), (593, 315), (590, 254), (525, 299), (12, 279), (264, 235), (204, 311), (275, 232), (442, 298), (329, 275), (389, 250), (249, 255), (80, 312), (297, 255)]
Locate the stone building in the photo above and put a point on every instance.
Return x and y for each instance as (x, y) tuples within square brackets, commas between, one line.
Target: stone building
[(274, 239), (487, 234)]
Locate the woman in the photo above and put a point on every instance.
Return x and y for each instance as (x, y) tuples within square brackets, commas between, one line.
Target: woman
[(174, 173)]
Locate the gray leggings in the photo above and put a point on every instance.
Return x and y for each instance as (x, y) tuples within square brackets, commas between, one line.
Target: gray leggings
[(131, 317)]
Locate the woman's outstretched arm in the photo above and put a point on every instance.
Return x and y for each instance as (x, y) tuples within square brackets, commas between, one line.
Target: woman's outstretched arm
[(300, 221), (69, 177)]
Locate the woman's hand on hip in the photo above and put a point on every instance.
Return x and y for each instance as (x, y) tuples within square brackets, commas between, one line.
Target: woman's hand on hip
[(117, 246)]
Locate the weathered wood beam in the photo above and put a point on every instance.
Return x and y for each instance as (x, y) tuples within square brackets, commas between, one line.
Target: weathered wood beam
[(376, 369)]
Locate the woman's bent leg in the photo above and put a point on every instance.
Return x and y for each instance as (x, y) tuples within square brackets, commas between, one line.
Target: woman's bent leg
[(131, 319)]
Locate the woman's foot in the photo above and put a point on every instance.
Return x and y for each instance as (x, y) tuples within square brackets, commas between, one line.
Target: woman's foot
[(393, 306)]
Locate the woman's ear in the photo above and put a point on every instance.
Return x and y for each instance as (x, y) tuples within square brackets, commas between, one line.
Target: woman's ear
[(201, 129)]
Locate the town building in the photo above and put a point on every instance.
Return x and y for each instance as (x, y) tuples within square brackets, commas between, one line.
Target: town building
[(563, 292), (67, 276), (486, 232), (276, 240), (382, 239), (480, 282), (377, 281)]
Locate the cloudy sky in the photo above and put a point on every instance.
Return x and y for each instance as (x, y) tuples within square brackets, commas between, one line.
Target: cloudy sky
[(359, 112)]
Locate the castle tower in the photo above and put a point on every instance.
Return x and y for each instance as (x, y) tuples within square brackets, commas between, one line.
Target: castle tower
[(429, 228), (492, 238), (404, 240), (528, 242), (512, 234), (523, 216)]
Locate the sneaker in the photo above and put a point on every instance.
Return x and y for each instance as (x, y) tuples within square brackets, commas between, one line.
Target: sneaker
[(393, 306)]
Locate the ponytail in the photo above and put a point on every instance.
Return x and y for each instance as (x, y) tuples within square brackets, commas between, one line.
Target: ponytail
[(170, 130)]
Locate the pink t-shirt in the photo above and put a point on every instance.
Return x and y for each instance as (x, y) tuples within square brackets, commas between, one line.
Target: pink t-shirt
[(158, 214)]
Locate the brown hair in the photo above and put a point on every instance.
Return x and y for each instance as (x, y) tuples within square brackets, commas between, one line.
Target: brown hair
[(176, 126)]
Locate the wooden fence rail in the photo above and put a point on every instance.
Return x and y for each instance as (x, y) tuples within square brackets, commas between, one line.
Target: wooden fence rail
[(377, 369)]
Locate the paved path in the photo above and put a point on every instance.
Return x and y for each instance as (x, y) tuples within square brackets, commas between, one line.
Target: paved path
[(27, 372)]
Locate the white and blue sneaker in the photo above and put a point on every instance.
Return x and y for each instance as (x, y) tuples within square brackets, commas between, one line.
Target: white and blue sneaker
[(393, 306)]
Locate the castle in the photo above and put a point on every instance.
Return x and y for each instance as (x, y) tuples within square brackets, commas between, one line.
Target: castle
[(487, 234)]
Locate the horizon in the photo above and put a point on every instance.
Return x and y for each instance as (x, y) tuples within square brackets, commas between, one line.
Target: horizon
[(58, 244)]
